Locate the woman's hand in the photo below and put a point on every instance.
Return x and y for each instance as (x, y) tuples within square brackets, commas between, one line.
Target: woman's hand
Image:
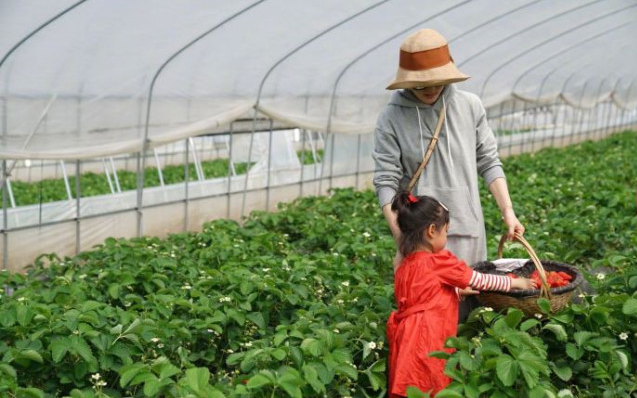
[(523, 283), (512, 223)]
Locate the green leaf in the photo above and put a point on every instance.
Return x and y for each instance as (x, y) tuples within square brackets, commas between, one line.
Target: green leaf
[(258, 381), (528, 324), (375, 381), (290, 381), (311, 376), (348, 371), (558, 330), (413, 392), (31, 355), (563, 372), (573, 351), (544, 305), (630, 307), (513, 317), (168, 370), (279, 354), (257, 319), (127, 372), (197, 379), (152, 386), (81, 348), (59, 347), (30, 392), (582, 337), (537, 392), (507, 370), (312, 346), (449, 394), (8, 370)]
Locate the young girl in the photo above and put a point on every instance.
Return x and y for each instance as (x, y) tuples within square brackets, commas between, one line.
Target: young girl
[(425, 289)]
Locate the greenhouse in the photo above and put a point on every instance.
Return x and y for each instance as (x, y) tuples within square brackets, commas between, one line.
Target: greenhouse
[(189, 209)]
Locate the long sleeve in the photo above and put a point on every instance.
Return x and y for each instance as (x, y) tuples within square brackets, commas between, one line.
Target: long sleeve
[(480, 281), (488, 161), (388, 170)]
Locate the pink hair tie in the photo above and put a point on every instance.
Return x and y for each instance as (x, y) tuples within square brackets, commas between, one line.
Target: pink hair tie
[(412, 198)]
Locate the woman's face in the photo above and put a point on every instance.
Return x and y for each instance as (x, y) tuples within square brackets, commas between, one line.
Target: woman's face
[(428, 95)]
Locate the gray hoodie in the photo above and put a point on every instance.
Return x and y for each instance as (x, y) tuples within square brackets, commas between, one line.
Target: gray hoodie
[(466, 148)]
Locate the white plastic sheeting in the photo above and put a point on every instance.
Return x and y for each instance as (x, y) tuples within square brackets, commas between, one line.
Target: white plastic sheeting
[(79, 87)]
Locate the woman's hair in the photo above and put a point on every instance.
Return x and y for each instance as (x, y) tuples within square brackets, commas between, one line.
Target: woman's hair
[(415, 215)]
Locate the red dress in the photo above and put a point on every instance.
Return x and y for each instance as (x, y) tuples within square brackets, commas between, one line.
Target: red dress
[(424, 287)]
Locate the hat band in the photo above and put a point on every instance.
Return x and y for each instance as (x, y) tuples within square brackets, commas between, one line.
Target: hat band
[(427, 59)]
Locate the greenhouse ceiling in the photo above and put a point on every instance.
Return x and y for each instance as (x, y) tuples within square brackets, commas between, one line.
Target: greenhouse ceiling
[(92, 78)]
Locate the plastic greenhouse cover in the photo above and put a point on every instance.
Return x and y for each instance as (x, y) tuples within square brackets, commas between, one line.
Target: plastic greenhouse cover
[(80, 86)]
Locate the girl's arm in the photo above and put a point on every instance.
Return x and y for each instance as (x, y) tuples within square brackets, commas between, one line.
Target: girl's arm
[(480, 281)]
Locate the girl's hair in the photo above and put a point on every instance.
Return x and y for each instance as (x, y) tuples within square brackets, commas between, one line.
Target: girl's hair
[(415, 215)]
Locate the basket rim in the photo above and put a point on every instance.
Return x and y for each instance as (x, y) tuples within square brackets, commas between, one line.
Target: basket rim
[(579, 278)]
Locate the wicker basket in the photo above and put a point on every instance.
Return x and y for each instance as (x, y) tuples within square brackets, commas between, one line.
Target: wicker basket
[(526, 300)]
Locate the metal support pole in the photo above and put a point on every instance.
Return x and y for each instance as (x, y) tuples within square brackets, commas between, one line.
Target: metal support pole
[(108, 176), (186, 181), (358, 160), (195, 159), (66, 180), (10, 192), (5, 218), (303, 141), (78, 213), (231, 170), (119, 189), (160, 173), (140, 189), (267, 183)]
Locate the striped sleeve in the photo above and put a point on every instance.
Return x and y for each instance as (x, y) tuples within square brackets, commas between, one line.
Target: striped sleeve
[(480, 281)]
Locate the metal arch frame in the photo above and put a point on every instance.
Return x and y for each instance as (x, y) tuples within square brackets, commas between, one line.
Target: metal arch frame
[(544, 80), (572, 29), (491, 45), (375, 47), (145, 143), (5, 236), (265, 77)]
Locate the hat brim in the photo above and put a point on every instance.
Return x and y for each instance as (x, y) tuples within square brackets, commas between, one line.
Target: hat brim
[(439, 76)]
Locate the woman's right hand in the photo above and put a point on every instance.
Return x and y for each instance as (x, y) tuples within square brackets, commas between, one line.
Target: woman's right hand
[(523, 283)]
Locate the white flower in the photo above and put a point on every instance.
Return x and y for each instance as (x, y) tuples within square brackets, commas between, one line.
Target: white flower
[(346, 283), (340, 301), (623, 336), (265, 269), (601, 276), (335, 254), (336, 331), (486, 309), (96, 376), (538, 316), (210, 331), (186, 287), (367, 234), (155, 340), (371, 345), (160, 345), (582, 295), (21, 298), (248, 344), (355, 300), (224, 299)]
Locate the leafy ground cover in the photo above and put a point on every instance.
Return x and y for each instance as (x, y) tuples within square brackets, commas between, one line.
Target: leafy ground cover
[(93, 184), (294, 303)]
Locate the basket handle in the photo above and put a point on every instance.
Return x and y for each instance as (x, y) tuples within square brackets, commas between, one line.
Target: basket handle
[(544, 288)]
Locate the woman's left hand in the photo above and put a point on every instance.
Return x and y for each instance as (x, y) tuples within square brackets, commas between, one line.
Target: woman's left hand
[(513, 224)]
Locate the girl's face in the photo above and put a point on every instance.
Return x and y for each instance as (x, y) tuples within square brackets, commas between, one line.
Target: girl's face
[(438, 238), (428, 95)]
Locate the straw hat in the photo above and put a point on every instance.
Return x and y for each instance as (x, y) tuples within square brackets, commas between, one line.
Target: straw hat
[(425, 61)]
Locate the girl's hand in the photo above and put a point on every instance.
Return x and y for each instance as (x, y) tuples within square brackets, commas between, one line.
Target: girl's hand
[(523, 283)]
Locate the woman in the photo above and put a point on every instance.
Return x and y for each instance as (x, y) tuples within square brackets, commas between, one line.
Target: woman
[(465, 149)]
